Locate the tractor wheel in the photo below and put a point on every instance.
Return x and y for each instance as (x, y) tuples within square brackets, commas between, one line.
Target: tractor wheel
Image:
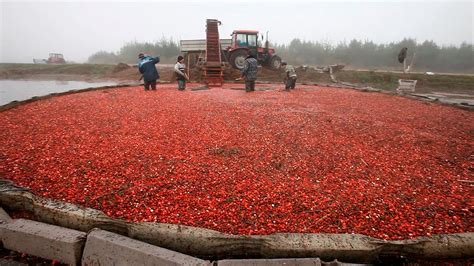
[(237, 58), (275, 62)]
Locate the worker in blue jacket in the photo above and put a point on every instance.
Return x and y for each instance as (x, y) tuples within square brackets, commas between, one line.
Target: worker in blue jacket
[(146, 66)]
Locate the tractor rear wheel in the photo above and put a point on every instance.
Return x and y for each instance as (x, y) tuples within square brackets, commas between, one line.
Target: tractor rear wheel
[(275, 62), (237, 58)]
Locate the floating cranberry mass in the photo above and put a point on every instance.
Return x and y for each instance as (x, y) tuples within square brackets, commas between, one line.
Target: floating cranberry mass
[(314, 160)]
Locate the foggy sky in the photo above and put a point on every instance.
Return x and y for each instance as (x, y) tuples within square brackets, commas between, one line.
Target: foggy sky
[(78, 29)]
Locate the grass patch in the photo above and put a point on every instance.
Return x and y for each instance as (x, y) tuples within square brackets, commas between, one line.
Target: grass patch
[(389, 80)]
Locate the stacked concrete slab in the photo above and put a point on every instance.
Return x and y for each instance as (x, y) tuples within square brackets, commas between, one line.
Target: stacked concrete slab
[(43, 240), (106, 248), (98, 247)]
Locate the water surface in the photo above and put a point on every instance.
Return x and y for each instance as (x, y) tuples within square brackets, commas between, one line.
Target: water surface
[(18, 90)]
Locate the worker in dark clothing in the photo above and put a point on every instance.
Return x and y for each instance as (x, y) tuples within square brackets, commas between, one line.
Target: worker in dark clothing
[(249, 72), (179, 69), (146, 66)]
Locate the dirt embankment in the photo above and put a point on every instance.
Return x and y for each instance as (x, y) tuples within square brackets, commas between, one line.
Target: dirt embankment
[(126, 73), (119, 72), (381, 80)]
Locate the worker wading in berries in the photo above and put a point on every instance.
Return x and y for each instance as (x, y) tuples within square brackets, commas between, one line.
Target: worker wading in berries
[(179, 69), (290, 76), (146, 66), (249, 72)]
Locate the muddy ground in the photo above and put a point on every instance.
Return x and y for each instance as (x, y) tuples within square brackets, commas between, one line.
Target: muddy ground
[(452, 83)]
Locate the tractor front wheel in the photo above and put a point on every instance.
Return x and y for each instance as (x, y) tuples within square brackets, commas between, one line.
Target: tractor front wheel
[(237, 58), (275, 62)]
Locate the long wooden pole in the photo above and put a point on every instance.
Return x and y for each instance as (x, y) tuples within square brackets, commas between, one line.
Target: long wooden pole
[(188, 66)]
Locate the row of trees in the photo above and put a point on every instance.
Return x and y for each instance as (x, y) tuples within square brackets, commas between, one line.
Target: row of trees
[(367, 54), (359, 54), (166, 48)]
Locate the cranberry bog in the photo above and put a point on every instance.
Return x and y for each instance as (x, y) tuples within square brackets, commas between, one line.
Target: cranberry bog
[(313, 161)]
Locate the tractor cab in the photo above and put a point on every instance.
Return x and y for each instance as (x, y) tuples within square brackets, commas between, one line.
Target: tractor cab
[(247, 40), (244, 39)]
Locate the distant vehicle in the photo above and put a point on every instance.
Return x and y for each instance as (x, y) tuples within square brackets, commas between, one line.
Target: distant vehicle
[(56, 59), (40, 61), (53, 58)]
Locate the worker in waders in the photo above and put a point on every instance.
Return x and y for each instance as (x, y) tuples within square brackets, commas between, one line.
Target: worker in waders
[(181, 77), (249, 72), (290, 76), (146, 66)]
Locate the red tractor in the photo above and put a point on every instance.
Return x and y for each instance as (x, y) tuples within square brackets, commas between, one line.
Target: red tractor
[(56, 59), (247, 40)]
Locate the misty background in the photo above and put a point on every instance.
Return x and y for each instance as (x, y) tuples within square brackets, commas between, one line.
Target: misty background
[(357, 33)]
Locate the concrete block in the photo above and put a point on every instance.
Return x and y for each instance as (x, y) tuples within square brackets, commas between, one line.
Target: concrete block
[(4, 217), (43, 240), (105, 248), (271, 262)]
